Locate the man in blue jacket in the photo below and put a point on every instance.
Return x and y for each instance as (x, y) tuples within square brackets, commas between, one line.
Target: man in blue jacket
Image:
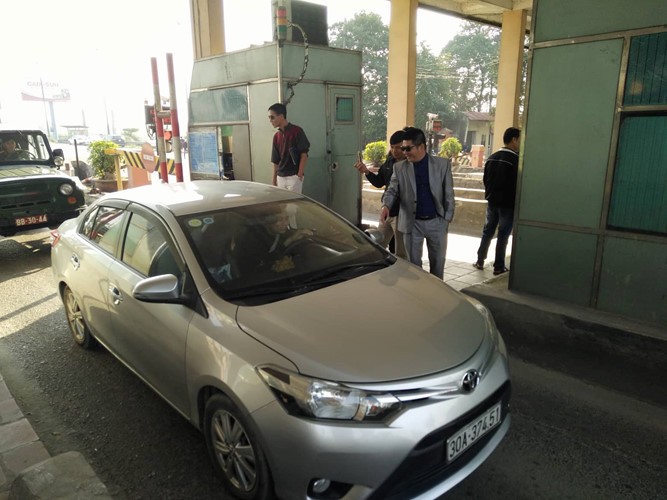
[(500, 174)]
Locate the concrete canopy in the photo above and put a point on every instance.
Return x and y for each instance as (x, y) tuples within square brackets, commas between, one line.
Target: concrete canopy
[(484, 11)]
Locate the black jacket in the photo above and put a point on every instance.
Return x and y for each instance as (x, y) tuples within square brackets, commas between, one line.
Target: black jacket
[(500, 173), (382, 178)]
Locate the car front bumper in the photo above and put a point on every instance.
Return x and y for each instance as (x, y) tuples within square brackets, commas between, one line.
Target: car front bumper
[(402, 458)]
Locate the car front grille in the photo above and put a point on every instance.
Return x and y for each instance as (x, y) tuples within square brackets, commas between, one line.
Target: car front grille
[(426, 465), (22, 196)]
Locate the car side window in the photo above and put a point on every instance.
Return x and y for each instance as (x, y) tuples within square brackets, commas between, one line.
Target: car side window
[(88, 223), (148, 248), (103, 227)]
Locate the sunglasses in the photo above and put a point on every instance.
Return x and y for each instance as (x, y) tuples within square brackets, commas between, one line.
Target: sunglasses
[(407, 148)]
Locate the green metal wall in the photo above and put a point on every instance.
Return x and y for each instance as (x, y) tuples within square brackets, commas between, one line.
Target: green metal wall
[(590, 224), (568, 132), (633, 279), (556, 19)]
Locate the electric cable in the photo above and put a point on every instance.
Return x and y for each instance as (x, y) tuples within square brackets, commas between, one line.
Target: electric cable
[(291, 85)]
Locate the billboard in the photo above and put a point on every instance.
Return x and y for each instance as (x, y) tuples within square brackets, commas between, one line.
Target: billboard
[(39, 90)]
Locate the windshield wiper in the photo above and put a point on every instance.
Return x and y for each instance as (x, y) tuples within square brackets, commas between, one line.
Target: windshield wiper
[(260, 291), (327, 277), (346, 271)]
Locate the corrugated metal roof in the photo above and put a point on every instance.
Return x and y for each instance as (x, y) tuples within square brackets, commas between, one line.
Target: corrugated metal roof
[(477, 116)]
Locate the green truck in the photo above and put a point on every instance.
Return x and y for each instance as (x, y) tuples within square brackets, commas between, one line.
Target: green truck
[(34, 193)]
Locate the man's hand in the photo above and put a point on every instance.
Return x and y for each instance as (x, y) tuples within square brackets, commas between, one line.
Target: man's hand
[(361, 167), (299, 234), (384, 214)]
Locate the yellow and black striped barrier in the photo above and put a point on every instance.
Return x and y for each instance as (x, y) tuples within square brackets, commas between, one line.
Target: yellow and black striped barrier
[(134, 159)]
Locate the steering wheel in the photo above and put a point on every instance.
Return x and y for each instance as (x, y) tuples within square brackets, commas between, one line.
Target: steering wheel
[(23, 154), (308, 246)]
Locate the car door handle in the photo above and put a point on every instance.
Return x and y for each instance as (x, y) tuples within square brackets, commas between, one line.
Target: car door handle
[(116, 296), (74, 259)]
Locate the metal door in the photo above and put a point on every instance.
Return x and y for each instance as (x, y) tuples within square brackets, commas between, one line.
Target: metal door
[(343, 143)]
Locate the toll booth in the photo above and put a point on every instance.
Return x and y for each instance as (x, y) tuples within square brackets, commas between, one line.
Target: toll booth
[(229, 132)]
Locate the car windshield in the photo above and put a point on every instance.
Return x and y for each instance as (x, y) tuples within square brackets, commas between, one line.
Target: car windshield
[(266, 252), (22, 146)]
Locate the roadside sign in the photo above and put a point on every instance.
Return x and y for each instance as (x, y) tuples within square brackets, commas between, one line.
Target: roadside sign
[(148, 157)]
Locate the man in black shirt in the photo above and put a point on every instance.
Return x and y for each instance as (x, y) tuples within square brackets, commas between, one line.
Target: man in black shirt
[(381, 179), (289, 150), (500, 174)]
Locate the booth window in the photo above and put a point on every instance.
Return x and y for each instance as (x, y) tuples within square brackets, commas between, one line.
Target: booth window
[(639, 197), (344, 109)]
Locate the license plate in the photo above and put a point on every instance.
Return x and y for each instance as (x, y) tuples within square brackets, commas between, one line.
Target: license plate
[(33, 219), (467, 436)]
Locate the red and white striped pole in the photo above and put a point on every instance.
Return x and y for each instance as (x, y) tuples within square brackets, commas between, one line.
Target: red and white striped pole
[(159, 128), (175, 129)]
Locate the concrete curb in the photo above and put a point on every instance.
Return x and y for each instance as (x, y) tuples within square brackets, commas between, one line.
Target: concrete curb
[(600, 348), (66, 476), (27, 472)]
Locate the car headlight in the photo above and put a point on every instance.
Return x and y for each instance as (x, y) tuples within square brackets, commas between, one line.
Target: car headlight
[(314, 398), (66, 189)]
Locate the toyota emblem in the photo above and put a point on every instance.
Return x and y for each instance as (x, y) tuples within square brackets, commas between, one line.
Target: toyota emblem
[(470, 380)]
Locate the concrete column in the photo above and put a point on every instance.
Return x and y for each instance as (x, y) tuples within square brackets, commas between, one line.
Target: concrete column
[(402, 65), (208, 28), (509, 74)]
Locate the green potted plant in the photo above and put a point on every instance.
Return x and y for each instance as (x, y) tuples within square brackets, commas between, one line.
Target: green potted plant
[(375, 152), (103, 165), (451, 148)]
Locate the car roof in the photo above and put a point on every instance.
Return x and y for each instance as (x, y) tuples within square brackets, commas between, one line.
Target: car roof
[(182, 198)]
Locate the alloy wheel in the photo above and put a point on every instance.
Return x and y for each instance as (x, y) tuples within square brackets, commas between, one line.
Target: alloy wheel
[(234, 451)]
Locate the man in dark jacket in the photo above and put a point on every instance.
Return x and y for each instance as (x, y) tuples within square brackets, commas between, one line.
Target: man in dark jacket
[(381, 180), (500, 174)]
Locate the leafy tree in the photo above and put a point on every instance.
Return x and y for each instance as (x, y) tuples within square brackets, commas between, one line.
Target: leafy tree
[(367, 33), (434, 92), (473, 57), (130, 134)]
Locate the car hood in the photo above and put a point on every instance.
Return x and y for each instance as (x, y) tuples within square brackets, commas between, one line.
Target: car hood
[(10, 172), (393, 324)]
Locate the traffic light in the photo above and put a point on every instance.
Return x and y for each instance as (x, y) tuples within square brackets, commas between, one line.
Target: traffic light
[(167, 141)]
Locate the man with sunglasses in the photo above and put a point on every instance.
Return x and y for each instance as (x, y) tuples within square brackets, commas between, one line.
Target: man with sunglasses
[(289, 153), (424, 186)]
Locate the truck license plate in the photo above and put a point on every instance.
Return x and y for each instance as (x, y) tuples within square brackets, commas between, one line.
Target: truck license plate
[(33, 219), (467, 436)]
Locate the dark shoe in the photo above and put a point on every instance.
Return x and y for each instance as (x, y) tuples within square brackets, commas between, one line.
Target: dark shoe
[(496, 272), (478, 265)]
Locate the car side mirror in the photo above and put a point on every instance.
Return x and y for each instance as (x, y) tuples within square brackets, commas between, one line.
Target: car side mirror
[(58, 157), (163, 288)]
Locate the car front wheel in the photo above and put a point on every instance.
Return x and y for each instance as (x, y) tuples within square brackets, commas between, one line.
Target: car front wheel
[(77, 325), (235, 451)]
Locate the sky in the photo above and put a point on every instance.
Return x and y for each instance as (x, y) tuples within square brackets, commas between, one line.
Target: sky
[(101, 53)]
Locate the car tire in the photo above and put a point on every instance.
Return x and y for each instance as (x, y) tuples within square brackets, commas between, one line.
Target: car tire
[(77, 325), (235, 450)]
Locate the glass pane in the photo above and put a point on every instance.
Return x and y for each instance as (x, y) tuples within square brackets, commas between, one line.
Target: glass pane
[(107, 228), (344, 109), (143, 244), (639, 197), (646, 83), (219, 106)]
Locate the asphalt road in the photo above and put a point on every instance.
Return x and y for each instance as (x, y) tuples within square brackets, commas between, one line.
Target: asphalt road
[(569, 439)]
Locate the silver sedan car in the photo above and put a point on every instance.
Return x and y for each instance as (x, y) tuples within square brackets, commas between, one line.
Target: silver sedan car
[(316, 364)]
